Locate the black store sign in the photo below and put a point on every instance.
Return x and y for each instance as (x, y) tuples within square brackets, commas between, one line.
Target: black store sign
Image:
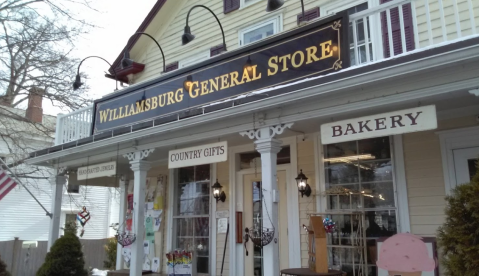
[(315, 49)]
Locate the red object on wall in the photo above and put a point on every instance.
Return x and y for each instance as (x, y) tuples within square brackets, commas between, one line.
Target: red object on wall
[(239, 227), (309, 14), (396, 30)]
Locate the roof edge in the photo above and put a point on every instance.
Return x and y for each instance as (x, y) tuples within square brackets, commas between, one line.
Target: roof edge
[(146, 22)]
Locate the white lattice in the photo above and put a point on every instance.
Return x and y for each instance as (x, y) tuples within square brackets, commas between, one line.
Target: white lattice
[(138, 155), (271, 131)]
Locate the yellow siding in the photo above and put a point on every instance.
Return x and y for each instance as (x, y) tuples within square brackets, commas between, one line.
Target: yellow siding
[(424, 175), (306, 204), (450, 20), (207, 31), (222, 173)]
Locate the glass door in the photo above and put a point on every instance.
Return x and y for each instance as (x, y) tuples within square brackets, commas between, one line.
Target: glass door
[(465, 164)]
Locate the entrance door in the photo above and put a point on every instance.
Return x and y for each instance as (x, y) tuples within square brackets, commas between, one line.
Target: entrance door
[(252, 217), (465, 164)]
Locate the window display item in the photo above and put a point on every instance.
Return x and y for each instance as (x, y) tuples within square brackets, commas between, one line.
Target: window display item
[(180, 263)]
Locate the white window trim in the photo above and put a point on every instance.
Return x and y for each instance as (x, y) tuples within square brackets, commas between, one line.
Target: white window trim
[(276, 19), (374, 21), (63, 218), (451, 140), (212, 216), (197, 58), (243, 3), (399, 180)]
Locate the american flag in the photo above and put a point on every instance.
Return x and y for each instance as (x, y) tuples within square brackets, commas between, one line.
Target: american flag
[(6, 184)]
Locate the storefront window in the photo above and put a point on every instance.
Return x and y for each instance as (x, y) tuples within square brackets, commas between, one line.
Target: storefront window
[(191, 220), (363, 171)]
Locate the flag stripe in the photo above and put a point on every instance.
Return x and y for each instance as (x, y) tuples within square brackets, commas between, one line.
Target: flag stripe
[(6, 184), (4, 193)]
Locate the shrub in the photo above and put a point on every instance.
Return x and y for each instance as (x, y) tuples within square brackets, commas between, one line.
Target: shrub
[(459, 236), (3, 268), (110, 249), (65, 256)]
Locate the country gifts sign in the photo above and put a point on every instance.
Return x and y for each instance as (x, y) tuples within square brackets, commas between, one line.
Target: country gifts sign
[(204, 154), (385, 124)]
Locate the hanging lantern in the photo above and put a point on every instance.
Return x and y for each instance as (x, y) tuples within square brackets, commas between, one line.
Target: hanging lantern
[(217, 193), (303, 186)]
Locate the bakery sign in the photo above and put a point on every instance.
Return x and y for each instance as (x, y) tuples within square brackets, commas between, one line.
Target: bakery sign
[(318, 48), (199, 155), (385, 124), (98, 170)]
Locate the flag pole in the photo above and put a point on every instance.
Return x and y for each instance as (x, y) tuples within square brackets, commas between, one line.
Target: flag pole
[(18, 181)]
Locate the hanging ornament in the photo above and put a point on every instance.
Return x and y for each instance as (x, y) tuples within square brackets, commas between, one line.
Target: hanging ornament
[(125, 238), (329, 225), (83, 217)]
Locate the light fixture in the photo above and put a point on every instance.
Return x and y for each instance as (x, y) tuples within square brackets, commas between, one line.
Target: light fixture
[(217, 193), (187, 37), (248, 67), (273, 5), (126, 61), (303, 186), (78, 82), (188, 83)]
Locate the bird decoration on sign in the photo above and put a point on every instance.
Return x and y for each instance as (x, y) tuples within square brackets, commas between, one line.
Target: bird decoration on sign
[(83, 217)]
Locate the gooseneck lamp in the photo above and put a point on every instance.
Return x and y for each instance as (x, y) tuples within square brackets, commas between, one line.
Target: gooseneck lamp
[(303, 186), (273, 5), (78, 82), (127, 61), (187, 37), (217, 193)]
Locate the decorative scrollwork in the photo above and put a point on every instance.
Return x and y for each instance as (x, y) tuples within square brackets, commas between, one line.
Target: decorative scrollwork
[(338, 65), (138, 155), (337, 25), (62, 170), (272, 131)]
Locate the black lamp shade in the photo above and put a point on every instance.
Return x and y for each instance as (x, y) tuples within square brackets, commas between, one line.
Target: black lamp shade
[(187, 36), (217, 193), (274, 5), (126, 61), (77, 82), (303, 186)]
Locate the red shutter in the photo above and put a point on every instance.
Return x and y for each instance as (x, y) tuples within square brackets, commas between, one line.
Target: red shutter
[(171, 67), (396, 29), (216, 50), (230, 5), (309, 14)]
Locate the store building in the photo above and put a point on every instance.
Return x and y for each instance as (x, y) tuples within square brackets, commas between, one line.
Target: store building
[(395, 127)]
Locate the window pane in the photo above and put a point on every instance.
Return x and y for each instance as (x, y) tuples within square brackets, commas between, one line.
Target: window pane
[(258, 34), (472, 164), (192, 214)]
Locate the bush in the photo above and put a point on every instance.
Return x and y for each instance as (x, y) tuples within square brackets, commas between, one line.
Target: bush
[(3, 268), (65, 256), (110, 249), (459, 236)]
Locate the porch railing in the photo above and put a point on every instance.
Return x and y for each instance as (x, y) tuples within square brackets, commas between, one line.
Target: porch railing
[(73, 126), (400, 26)]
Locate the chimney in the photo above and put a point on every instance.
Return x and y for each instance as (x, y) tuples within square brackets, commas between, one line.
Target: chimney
[(34, 111)]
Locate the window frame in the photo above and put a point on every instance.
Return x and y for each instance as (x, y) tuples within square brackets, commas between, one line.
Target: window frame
[(72, 193), (243, 3), (374, 22), (173, 182), (194, 59), (277, 21)]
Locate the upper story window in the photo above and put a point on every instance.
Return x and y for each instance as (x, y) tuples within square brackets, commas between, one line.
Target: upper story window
[(260, 30), (194, 59), (245, 3), (73, 189)]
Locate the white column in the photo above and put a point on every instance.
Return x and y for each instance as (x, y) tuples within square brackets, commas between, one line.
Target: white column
[(57, 192), (269, 147), (121, 221), (140, 168)]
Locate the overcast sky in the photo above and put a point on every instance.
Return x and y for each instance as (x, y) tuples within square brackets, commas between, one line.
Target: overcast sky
[(117, 21)]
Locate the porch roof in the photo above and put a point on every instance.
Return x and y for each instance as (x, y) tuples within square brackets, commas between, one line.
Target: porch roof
[(421, 60)]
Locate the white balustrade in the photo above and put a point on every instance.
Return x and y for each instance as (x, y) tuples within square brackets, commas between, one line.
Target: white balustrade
[(73, 126), (388, 25)]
